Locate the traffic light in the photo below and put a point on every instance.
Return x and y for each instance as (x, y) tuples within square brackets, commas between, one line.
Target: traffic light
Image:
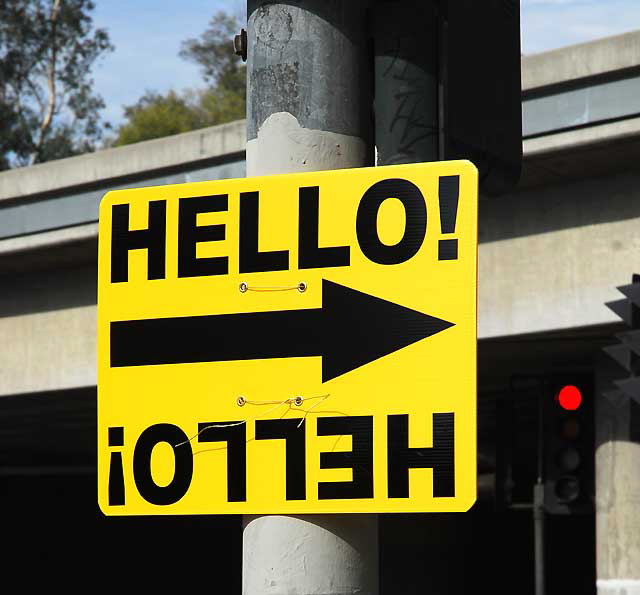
[(568, 446), (482, 96), (447, 85)]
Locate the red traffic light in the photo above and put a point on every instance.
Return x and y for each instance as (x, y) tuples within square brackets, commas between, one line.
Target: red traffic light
[(570, 397)]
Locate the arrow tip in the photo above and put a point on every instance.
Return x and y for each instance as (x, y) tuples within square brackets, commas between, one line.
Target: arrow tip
[(360, 328)]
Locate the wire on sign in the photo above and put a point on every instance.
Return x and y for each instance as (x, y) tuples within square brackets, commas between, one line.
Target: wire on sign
[(301, 287), (297, 401)]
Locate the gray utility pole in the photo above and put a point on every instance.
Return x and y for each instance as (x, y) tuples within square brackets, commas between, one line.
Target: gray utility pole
[(309, 109)]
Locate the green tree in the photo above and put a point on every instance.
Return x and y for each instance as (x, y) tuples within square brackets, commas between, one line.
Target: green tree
[(212, 52), (156, 115), (47, 107), (222, 100)]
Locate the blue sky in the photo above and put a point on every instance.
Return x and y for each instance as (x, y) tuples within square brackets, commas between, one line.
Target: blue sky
[(147, 36), (548, 24)]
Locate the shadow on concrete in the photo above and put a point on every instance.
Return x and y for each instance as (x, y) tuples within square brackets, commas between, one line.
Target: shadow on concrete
[(47, 290)]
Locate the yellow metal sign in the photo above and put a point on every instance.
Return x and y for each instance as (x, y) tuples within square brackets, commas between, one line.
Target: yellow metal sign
[(290, 344)]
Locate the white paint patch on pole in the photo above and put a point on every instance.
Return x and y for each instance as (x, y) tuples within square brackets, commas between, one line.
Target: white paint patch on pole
[(283, 145)]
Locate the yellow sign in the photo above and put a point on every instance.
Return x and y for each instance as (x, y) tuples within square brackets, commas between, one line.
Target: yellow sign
[(290, 344)]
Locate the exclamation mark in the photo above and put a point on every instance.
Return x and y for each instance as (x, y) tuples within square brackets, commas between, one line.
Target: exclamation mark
[(448, 193), (116, 472)]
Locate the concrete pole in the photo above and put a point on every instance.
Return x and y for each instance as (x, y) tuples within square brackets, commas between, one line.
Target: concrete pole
[(308, 109), (617, 485)]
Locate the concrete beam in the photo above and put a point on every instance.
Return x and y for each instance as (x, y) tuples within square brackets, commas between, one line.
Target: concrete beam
[(48, 239), (48, 324), (49, 351), (593, 151), (59, 248), (584, 60), (550, 258), (609, 133), (130, 160), (547, 160)]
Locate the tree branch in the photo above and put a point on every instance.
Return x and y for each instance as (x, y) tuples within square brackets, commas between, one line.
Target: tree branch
[(51, 82)]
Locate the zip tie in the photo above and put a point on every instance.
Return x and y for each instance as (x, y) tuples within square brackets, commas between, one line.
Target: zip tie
[(301, 287)]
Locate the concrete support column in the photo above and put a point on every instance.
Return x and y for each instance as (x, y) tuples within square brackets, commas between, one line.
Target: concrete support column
[(309, 109), (617, 486)]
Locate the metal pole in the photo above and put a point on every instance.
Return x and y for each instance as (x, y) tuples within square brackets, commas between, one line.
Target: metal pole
[(538, 505), (308, 109), (538, 536), (309, 86)]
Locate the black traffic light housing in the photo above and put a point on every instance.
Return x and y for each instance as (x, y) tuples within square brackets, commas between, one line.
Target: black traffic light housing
[(482, 91), (568, 444), (447, 85)]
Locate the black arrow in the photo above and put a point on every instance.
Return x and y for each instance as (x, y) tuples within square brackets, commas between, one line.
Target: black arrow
[(351, 329)]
